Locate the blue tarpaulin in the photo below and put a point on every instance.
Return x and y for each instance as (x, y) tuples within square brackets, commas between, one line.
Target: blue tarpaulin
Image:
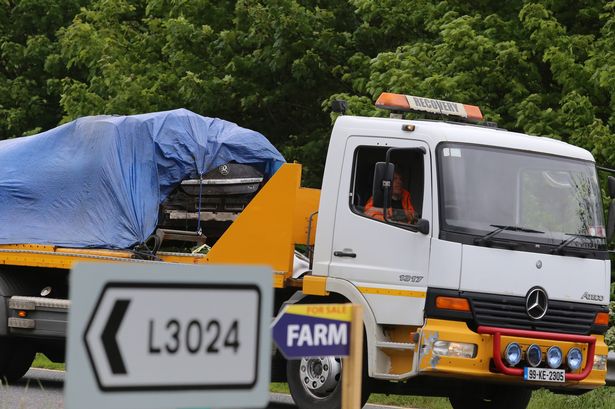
[(98, 181)]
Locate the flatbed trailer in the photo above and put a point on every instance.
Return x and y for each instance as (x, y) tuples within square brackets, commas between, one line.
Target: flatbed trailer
[(34, 278)]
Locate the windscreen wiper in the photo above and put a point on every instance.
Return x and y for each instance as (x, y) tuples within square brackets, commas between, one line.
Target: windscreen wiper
[(500, 228), (570, 240)]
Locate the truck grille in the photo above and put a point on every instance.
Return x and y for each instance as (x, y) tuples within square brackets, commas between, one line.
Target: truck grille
[(509, 312)]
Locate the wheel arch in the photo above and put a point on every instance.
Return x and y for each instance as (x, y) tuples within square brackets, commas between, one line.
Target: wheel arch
[(341, 291)]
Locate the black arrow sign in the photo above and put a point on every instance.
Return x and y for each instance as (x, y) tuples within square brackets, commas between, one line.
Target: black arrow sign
[(109, 334)]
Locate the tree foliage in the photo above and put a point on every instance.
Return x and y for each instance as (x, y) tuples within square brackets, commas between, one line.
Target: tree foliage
[(534, 67), (29, 91), (543, 67)]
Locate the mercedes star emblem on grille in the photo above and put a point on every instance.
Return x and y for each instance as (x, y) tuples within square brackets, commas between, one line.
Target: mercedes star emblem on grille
[(536, 303)]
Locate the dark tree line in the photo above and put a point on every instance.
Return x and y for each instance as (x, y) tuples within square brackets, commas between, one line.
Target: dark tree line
[(544, 67)]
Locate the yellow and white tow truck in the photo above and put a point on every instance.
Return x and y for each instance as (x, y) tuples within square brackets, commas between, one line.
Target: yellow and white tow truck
[(495, 283)]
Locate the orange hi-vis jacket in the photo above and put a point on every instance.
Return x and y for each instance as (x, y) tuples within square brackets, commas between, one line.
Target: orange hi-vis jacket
[(377, 212)]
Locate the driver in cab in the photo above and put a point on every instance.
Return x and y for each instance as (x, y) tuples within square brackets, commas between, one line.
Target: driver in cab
[(401, 209)]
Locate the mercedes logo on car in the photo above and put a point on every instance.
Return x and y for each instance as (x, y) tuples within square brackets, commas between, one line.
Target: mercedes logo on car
[(223, 169), (536, 303)]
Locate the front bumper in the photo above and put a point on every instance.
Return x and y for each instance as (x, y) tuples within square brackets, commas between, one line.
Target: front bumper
[(490, 344)]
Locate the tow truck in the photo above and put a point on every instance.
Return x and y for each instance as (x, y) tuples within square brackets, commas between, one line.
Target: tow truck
[(496, 286)]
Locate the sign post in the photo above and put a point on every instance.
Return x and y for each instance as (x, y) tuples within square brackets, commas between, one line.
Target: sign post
[(314, 330), (353, 364), (168, 336)]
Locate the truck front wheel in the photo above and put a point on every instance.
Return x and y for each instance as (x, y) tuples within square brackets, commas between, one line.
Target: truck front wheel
[(316, 382), (492, 397)]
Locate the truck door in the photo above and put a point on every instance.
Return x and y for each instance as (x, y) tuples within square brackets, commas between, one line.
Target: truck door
[(387, 262)]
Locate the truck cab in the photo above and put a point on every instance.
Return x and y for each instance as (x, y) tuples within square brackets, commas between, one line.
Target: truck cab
[(502, 271)]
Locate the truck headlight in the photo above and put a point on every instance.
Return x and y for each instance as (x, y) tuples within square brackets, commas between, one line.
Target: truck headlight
[(600, 362), (455, 349), (512, 354), (574, 359), (554, 357)]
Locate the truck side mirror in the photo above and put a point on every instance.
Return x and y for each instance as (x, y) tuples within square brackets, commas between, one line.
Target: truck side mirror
[(422, 226), (610, 221), (611, 186), (383, 177), (610, 218)]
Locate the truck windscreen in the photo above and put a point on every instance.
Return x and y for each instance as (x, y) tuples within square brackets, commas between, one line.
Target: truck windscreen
[(541, 198)]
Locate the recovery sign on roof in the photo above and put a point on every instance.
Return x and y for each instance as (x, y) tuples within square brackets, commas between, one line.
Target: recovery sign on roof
[(400, 102), (436, 106)]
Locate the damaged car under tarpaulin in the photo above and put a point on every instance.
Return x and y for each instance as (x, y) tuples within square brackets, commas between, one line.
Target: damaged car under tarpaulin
[(98, 181)]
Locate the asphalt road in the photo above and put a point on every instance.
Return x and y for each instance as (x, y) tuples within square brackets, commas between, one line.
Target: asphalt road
[(44, 389), (39, 389)]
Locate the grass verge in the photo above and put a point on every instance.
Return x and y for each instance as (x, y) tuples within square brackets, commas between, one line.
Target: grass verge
[(41, 361), (603, 398)]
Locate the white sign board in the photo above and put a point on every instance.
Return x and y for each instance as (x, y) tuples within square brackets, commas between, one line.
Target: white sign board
[(153, 335)]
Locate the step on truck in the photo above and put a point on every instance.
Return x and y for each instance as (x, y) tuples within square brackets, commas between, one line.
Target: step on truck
[(479, 257)]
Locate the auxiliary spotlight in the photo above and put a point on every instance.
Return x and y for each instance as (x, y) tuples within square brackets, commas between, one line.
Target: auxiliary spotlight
[(554, 357), (512, 354), (574, 359), (534, 355)]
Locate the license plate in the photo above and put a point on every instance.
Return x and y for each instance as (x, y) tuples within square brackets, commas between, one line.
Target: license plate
[(544, 375)]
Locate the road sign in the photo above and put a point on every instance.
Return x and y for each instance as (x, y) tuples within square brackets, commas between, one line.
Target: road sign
[(179, 327), (168, 336), (307, 330)]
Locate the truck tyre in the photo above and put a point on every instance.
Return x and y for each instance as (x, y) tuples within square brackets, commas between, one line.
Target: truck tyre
[(494, 397), (16, 356), (316, 382)]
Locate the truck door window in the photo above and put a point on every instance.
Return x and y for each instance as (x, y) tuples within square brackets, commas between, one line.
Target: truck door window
[(407, 186)]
